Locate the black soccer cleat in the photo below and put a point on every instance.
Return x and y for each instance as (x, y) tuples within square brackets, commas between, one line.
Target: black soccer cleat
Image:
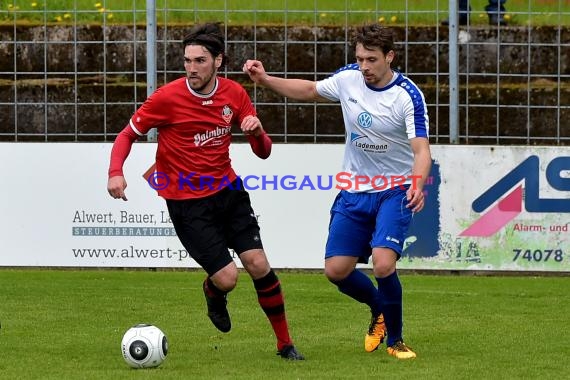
[(217, 311), (290, 353)]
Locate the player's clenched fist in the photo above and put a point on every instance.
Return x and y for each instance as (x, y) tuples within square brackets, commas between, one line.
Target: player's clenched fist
[(255, 70), (116, 187)]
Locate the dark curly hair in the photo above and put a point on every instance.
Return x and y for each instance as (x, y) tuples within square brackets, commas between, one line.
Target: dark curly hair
[(209, 36), (374, 36)]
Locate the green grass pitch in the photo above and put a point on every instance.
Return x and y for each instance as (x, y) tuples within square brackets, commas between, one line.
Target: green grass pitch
[(69, 324), (272, 12)]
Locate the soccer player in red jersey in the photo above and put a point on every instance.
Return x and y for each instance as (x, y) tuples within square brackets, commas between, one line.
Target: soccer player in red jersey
[(207, 203)]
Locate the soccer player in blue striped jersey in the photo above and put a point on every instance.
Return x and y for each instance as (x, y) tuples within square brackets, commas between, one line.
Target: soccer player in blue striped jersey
[(386, 124)]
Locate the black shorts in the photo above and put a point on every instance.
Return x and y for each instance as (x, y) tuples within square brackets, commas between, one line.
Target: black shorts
[(208, 226)]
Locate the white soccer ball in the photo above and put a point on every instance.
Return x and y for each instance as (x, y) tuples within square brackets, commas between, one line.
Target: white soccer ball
[(144, 346)]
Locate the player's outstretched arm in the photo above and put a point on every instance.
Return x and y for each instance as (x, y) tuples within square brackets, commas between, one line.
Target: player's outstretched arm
[(299, 89)]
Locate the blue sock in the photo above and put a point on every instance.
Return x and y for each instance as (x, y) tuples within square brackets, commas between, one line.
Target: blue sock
[(360, 287), (390, 290)]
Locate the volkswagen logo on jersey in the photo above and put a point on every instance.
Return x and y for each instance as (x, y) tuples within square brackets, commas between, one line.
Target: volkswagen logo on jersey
[(365, 120)]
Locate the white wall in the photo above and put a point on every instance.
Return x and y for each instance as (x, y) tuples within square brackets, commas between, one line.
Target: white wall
[(49, 189)]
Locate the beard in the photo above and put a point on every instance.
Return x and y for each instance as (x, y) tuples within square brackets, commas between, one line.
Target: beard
[(198, 83), (379, 79)]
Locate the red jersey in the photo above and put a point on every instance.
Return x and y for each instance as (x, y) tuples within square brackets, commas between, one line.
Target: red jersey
[(194, 135)]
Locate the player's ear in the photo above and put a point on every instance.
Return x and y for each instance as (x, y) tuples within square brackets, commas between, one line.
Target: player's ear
[(219, 59), (390, 56)]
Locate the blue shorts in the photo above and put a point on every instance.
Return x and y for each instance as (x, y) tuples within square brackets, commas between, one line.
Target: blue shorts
[(362, 221)]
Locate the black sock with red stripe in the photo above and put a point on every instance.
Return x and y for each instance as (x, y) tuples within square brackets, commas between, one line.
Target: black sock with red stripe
[(212, 290), (272, 302)]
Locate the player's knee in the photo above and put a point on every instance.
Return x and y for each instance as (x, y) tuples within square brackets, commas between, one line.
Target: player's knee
[(382, 270), (384, 262), (226, 278), (336, 273), (255, 262), (227, 282), (331, 275)]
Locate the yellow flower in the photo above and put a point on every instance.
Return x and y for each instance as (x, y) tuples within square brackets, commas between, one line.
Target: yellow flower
[(34, 5), (507, 17), (97, 5), (393, 18), (101, 10), (10, 6), (67, 16), (381, 19), (58, 18), (109, 16), (322, 15)]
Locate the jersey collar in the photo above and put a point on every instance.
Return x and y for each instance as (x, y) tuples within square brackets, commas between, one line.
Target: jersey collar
[(395, 76), (200, 95)]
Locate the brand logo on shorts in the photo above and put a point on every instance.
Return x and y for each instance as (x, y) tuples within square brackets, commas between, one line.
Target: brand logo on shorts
[(390, 238)]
